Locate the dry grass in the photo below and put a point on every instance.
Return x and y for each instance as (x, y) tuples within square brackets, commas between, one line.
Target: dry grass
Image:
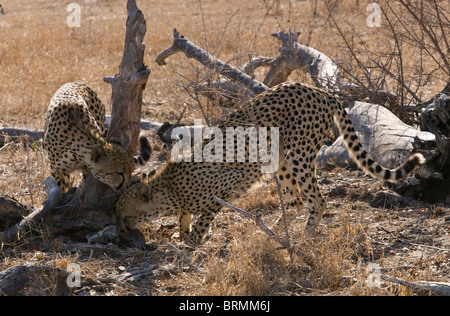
[(38, 53)]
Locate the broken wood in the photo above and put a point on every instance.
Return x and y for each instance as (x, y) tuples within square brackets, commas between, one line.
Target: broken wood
[(32, 280), (8, 134), (437, 288), (182, 44), (128, 85), (30, 136), (92, 202), (436, 117), (53, 199), (11, 211), (384, 136), (127, 89), (324, 72)]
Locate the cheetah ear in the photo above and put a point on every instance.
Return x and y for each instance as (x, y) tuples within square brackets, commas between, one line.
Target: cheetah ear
[(97, 153), (144, 193)]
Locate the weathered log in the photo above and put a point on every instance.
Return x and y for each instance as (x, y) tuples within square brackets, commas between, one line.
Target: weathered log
[(93, 201), (128, 85), (389, 141), (127, 89), (11, 211), (445, 90), (53, 199), (31, 280), (11, 134), (385, 137), (324, 72), (436, 117), (163, 130), (14, 133)]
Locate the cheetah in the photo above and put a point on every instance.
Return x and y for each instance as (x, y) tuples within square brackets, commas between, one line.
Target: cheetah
[(304, 116), (74, 138)]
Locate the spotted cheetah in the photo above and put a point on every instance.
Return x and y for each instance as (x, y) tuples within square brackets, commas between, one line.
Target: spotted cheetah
[(304, 116), (74, 138)]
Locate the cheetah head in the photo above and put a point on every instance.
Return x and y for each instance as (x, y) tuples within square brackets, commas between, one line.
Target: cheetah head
[(133, 208), (112, 165)]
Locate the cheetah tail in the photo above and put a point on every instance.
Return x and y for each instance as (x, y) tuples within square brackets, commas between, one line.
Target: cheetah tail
[(145, 152), (362, 158)]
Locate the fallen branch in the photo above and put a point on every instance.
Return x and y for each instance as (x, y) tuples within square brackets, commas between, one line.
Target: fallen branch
[(32, 280), (11, 211), (383, 135), (436, 117), (324, 72), (15, 133), (185, 258), (53, 199), (182, 44), (307, 259), (438, 288)]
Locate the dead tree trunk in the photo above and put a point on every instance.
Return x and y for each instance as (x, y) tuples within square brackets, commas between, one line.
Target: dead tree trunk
[(127, 89)]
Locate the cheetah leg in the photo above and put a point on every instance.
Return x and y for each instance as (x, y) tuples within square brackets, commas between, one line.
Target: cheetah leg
[(64, 181), (290, 195), (305, 176), (185, 224), (316, 203), (227, 192), (201, 227)]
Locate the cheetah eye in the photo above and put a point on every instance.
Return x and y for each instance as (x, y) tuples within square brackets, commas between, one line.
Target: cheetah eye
[(123, 179)]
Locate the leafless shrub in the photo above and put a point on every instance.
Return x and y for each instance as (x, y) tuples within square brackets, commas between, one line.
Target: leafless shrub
[(411, 52)]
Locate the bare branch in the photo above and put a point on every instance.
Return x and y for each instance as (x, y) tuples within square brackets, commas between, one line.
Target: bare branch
[(438, 288), (308, 259), (191, 50)]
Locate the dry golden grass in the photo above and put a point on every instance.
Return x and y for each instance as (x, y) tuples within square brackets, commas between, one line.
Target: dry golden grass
[(39, 52)]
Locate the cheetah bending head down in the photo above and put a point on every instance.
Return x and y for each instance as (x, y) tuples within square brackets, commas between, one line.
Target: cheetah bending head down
[(304, 116), (74, 138)]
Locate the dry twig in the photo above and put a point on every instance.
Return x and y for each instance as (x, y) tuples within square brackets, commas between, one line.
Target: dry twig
[(307, 259)]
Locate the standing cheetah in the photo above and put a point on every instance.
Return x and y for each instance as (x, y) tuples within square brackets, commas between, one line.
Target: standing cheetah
[(74, 138), (304, 116)]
